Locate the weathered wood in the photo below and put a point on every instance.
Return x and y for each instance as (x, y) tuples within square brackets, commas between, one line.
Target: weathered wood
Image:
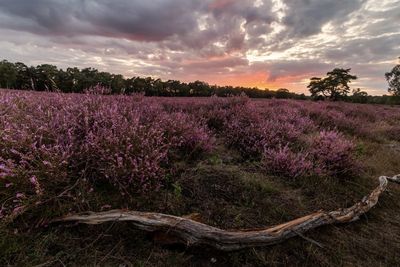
[(191, 233)]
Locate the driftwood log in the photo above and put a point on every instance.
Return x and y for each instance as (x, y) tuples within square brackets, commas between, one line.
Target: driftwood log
[(193, 233)]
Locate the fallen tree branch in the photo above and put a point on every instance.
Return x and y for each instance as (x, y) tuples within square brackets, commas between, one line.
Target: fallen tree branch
[(191, 233)]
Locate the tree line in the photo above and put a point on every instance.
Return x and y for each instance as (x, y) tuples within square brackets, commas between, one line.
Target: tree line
[(46, 77)]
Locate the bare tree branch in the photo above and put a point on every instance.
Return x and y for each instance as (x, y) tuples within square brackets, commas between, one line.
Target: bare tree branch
[(193, 233)]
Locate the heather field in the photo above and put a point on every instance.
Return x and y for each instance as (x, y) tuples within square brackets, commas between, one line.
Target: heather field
[(237, 162)]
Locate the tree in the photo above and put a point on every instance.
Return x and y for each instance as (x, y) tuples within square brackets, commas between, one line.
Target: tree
[(118, 84), (90, 77), (24, 76), (46, 77), (282, 93), (8, 74), (73, 81), (335, 86), (359, 96), (393, 78), (199, 88)]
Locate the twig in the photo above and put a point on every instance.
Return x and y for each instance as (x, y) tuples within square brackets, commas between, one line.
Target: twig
[(308, 239), (109, 253)]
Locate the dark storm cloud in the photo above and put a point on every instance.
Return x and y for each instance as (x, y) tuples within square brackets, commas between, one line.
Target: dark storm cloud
[(243, 8), (362, 50), (138, 20), (154, 20), (306, 17), (35, 16)]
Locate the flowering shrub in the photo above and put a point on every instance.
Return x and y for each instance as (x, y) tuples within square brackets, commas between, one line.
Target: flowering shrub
[(283, 161), (333, 119), (124, 140), (217, 112), (98, 90), (186, 135), (122, 151), (332, 154), (244, 131), (133, 142), (328, 154), (5, 171), (252, 128)]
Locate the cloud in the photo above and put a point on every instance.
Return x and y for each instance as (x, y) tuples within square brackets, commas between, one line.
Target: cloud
[(266, 43), (291, 68), (135, 20), (307, 17), (364, 50)]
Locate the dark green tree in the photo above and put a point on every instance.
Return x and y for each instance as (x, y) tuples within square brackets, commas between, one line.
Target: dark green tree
[(334, 86), (8, 74), (282, 93), (359, 96), (73, 80), (118, 84), (199, 88), (25, 76), (393, 78), (46, 77)]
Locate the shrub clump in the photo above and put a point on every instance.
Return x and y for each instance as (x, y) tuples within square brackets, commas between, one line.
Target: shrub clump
[(53, 140), (332, 154), (252, 129), (188, 137), (329, 153), (285, 162)]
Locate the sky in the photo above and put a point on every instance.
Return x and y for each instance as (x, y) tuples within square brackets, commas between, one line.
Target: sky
[(264, 43)]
